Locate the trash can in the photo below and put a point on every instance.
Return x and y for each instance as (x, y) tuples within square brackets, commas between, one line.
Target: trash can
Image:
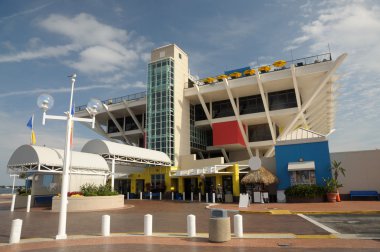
[(219, 227)]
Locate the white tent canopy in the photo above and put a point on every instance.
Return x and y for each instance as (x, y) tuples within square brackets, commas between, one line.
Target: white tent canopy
[(126, 153), (33, 158)]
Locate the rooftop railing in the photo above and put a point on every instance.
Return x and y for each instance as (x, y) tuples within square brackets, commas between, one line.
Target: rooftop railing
[(131, 97), (297, 62)]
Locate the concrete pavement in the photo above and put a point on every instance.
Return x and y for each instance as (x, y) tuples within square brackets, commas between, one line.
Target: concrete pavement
[(263, 232)]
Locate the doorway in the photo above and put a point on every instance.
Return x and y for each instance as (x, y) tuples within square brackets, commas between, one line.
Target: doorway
[(123, 186), (139, 186), (227, 185)]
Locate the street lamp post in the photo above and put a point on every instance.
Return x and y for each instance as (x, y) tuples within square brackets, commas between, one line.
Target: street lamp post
[(45, 102), (14, 178)]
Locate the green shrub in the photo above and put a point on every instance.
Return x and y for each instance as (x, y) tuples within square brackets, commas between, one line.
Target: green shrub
[(305, 191), (106, 190), (23, 191), (94, 190)]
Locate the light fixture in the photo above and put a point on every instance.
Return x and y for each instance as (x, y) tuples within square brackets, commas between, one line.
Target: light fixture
[(45, 102), (94, 106)]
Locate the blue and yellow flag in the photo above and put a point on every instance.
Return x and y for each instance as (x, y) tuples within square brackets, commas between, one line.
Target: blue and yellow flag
[(30, 126)]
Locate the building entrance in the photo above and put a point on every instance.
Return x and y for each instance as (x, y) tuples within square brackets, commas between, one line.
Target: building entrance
[(191, 185), (123, 186), (139, 186), (227, 185), (210, 186)]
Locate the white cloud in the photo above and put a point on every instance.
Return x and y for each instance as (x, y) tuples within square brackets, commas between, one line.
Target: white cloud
[(99, 59), (352, 27), (99, 48), (108, 85), (85, 30), (43, 53)]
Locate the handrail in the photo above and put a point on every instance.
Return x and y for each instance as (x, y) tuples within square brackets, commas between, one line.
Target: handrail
[(297, 62), (131, 97)]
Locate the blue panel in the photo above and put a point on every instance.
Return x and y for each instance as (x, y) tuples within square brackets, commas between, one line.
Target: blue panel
[(317, 152), (240, 70)]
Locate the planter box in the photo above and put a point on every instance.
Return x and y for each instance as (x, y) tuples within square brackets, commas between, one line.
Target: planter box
[(92, 203), (304, 200), (22, 201)]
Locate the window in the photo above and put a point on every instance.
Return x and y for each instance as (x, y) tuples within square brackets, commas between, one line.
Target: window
[(180, 55), (260, 132), (112, 126), (200, 113), (251, 104), (158, 182), (282, 99), (222, 109), (302, 177), (130, 123)]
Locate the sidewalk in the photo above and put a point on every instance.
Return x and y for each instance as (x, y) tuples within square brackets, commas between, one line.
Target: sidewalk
[(344, 207)]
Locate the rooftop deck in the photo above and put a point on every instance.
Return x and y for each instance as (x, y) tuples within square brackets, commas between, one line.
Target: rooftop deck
[(130, 97), (315, 59)]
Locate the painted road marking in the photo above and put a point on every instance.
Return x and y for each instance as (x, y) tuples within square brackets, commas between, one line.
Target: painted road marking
[(326, 228)]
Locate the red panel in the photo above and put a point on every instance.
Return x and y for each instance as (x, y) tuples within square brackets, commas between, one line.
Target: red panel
[(227, 133)]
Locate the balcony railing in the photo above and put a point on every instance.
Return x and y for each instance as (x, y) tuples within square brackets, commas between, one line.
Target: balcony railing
[(131, 97), (297, 62)]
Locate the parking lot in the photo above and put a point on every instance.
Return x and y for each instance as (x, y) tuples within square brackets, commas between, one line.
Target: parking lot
[(356, 225)]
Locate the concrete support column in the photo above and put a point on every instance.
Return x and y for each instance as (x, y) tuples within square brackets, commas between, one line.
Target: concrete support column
[(181, 185), (235, 180), (218, 180), (113, 175), (133, 185)]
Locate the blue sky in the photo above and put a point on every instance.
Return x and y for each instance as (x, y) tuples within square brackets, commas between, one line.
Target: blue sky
[(108, 43)]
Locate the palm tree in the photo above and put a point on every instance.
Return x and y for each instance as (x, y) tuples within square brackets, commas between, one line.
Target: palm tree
[(337, 169)]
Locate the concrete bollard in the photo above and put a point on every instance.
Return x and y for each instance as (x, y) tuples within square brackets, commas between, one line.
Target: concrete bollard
[(191, 226), (13, 202), (206, 197), (160, 195), (148, 220), (28, 203), (199, 197), (238, 226), (192, 196), (140, 195), (106, 223), (213, 197), (15, 231), (127, 195), (150, 195), (184, 196), (172, 195)]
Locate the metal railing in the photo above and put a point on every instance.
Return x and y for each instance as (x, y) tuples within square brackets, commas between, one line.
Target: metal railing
[(131, 97), (315, 59)]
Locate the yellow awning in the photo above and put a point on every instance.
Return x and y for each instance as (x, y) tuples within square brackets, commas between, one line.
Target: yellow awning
[(264, 68), (221, 77), (235, 75), (209, 80), (279, 63), (249, 72)]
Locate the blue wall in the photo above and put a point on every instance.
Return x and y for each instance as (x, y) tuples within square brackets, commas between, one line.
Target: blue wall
[(317, 152)]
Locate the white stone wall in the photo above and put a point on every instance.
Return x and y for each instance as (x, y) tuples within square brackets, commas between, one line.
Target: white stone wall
[(362, 170)]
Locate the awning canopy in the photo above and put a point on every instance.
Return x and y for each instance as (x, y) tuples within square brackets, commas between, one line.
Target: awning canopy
[(216, 169), (301, 166), (126, 153), (33, 158)]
